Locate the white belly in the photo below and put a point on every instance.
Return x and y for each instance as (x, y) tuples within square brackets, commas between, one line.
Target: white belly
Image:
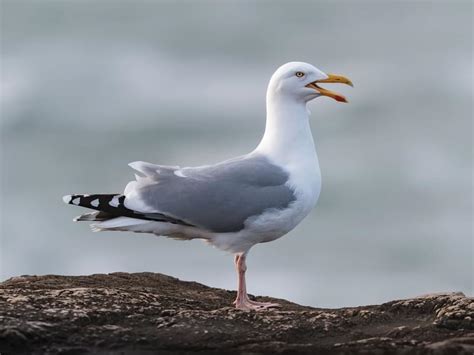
[(306, 181), (275, 223)]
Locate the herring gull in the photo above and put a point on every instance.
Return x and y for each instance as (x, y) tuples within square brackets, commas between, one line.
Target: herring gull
[(235, 204)]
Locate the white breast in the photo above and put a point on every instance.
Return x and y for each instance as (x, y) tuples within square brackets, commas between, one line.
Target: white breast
[(288, 143)]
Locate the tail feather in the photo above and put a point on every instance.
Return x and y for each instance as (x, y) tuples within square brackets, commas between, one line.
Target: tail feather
[(118, 223), (106, 204), (100, 202), (111, 206)]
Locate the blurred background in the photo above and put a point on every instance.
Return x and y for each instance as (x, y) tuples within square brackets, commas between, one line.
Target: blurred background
[(89, 86)]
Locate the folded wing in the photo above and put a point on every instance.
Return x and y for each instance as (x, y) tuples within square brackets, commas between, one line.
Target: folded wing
[(218, 198)]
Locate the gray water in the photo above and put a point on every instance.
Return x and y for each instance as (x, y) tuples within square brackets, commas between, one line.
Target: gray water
[(88, 87)]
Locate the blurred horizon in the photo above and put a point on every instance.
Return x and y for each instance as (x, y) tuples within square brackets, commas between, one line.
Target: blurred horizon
[(87, 87)]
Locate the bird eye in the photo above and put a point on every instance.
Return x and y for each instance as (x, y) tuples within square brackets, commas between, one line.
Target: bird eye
[(299, 74)]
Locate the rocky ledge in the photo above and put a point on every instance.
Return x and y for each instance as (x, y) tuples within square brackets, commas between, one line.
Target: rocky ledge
[(150, 313)]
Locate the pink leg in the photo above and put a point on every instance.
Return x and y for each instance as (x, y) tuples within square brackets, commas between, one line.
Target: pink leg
[(243, 301)]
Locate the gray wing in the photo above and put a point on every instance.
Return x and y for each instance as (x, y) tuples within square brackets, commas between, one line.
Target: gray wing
[(218, 198)]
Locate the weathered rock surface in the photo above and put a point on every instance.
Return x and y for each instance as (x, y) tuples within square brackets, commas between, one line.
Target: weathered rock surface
[(150, 313)]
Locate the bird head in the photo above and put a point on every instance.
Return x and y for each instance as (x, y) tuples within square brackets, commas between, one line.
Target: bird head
[(300, 81)]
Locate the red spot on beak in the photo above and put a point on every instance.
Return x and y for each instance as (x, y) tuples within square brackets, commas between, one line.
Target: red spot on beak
[(340, 98)]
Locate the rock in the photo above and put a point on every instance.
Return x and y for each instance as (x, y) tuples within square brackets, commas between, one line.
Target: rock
[(149, 313)]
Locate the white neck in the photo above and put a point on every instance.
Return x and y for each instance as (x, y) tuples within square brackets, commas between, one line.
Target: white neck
[(287, 138)]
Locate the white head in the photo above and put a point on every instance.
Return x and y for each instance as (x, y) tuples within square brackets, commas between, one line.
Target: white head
[(298, 81)]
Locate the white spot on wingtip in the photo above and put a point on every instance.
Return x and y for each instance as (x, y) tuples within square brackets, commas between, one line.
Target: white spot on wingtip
[(114, 202), (75, 201), (67, 198), (95, 202)]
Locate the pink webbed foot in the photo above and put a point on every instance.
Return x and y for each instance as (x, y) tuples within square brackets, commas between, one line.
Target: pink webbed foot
[(247, 304)]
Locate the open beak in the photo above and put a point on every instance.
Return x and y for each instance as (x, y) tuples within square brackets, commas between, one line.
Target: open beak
[(332, 78)]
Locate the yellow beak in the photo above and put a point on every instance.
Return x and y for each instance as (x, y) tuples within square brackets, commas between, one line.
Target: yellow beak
[(332, 78)]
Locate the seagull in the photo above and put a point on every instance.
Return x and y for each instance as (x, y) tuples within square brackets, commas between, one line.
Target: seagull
[(235, 204)]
